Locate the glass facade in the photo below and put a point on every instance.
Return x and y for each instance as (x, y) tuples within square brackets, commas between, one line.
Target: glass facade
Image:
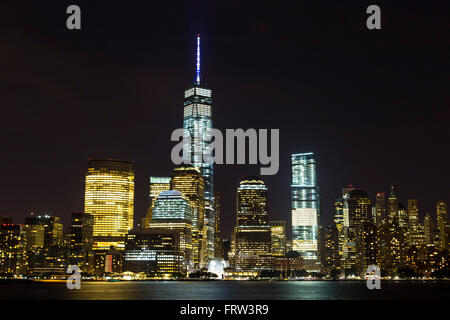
[(171, 205), (198, 121), (154, 252), (172, 211), (305, 207), (157, 185), (189, 181), (109, 198)]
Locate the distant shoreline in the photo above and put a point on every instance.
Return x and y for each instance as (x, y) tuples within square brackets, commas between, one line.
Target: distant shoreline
[(45, 281)]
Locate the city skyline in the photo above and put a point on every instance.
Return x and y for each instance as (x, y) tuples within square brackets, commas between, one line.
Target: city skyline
[(158, 79)]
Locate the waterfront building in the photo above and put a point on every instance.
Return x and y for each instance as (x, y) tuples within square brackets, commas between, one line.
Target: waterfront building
[(305, 209), (107, 262), (197, 120), (252, 231), (361, 232), (109, 199), (155, 252), (51, 257), (173, 212), (80, 242), (189, 181), (12, 249), (329, 252), (278, 236)]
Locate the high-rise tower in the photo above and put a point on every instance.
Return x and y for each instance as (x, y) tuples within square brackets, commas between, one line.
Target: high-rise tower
[(157, 185), (442, 223), (392, 208), (198, 121), (361, 231), (172, 211), (189, 181), (252, 232), (109, 198), (305, 209)]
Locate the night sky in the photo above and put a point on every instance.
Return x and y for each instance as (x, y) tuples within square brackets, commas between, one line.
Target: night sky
[(373, 105)]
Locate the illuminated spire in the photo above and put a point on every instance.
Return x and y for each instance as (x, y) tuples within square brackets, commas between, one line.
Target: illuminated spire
[(197, 75)]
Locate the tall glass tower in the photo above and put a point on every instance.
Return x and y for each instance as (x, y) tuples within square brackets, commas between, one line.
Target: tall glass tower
[(198, 121), (109, 198), (189, 181), (305, 209), (172, 211)]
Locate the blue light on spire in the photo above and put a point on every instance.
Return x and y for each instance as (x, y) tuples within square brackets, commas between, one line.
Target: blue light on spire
[(198, 60)]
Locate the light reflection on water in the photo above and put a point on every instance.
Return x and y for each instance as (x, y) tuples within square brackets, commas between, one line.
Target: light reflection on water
[(228, 290)]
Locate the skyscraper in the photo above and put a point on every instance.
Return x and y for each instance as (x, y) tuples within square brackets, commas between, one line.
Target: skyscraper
[(218, 250), (252, 232), (278, 234), (380, 209), (329, 248), (80, 238), (172, 211), (442, 223), (361, 231), (428, 225), (198, 122), (189, 181), (415, 234), (348, 247), (157, 185), (305, 209), (12, 249), (413, 214), (51, 257), (392, 207), (53, 228), (109, 198), (395, 233), (402, 215), (339, 223)]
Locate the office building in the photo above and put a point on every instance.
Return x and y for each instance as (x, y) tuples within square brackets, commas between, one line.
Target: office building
[(442, 224), (173, 212), (218, 251), (12, 249), (361, 232), (109, 199), (305, 209), (252, 231), (80, 242), (157, 185), (189, 181), (197, 120), (155, 252), (278, 236)]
